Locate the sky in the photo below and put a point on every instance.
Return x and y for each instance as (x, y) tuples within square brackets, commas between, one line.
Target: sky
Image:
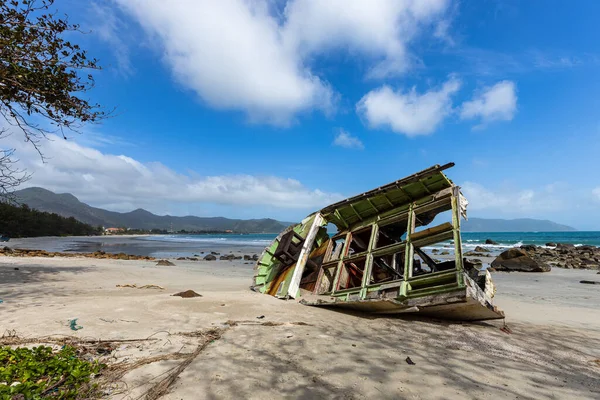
[(273, 108)]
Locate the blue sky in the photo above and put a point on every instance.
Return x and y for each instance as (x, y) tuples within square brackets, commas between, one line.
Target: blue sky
[(276, 108)]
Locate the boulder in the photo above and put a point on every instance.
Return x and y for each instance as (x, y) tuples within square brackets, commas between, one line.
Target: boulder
[(165, 263), (518, 260), (550, 244), (209, 257), (192, 258), (255, 257), (247, 257), (529, 247), (180, 258), (490, 241), (480, 249), (214, 253)]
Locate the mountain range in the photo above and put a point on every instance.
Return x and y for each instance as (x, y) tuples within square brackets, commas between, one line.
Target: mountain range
[(68, 205)]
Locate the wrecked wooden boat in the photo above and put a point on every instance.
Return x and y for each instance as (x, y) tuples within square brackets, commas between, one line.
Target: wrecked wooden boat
[(378, 259)]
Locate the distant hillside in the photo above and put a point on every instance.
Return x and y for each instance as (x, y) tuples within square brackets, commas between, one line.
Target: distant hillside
[(68, 205), (513, 225)]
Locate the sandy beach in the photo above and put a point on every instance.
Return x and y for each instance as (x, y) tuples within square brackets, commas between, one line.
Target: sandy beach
[(297, 351)]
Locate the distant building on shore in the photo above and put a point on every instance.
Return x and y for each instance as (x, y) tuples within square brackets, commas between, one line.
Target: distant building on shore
[(113, 231)]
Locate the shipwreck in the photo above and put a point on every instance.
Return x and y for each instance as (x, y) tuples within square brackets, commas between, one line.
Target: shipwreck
[(378, 260)]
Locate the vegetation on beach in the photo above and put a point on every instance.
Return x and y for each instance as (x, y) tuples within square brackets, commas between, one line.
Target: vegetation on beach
[(41, 372), (22, 221)]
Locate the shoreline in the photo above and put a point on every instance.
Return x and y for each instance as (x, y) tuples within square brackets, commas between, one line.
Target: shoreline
[(296, 350)]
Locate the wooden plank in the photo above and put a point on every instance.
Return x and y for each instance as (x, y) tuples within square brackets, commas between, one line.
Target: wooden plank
[(303, 257), (447, 226)]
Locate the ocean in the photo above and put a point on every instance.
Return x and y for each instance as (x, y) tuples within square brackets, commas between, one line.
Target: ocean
[(470, 239)]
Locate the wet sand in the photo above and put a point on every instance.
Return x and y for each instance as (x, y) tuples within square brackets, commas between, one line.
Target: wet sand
[(552, 353)]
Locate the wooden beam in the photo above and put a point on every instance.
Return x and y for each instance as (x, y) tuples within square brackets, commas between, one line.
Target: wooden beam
[(356, 212), (303, 257)]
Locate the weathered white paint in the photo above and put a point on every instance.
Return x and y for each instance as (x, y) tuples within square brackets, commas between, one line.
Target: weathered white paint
[(304, 253)]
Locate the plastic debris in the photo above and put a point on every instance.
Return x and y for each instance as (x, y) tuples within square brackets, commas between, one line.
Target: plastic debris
[(73, 324)]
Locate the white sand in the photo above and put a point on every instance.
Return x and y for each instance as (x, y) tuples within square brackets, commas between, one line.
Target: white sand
[(554, 319)]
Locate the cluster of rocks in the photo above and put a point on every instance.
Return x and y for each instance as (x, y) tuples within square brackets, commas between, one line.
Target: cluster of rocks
[(7, 251), (531, 258), (231, 257)]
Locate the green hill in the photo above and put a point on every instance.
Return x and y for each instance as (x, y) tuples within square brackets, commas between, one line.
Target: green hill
[(68, 205)]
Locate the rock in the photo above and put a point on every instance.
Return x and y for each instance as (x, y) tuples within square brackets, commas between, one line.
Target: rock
[(180, 258), (247, 257), (518, 260), (490, 269), (551, 244), (473, 254), (192, 258), (165, 263), (490, 241), (480, 249), (444, 253), (209, 257), (7, 250), (255, 257), (590, 282), (529, 247), (435, 251), (214, 253), (187, 294)]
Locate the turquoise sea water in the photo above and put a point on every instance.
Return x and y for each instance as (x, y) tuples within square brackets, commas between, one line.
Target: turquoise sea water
[(470, 239)]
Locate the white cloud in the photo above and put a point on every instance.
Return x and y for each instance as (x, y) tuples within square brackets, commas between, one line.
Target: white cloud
[(498, 102), (507, 200), (380, 29), (123, 183), (409, 113), (344, 139), (596, 193), (109, 28), (250, 56)]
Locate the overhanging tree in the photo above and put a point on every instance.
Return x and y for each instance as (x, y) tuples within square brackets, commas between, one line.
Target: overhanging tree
[(43, 77)]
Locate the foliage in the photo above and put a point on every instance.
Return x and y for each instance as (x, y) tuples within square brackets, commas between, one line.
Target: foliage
[(25, 222), (39, 69), (44, 373), (42, 79)]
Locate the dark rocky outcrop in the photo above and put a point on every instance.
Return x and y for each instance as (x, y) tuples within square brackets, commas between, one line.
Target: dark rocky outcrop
[(565, 256), (490, 241), (480, 249), (187, 294), (518, 260), (7, 251), (209, 257)]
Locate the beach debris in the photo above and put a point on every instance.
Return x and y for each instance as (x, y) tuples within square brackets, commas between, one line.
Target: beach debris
[(187, 294), (210, 257), (590, 282), (409, 361), (377, 260), (260, 317), (133, 285), (165, 263), (151, 287), (518, 260), (73, 324)]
